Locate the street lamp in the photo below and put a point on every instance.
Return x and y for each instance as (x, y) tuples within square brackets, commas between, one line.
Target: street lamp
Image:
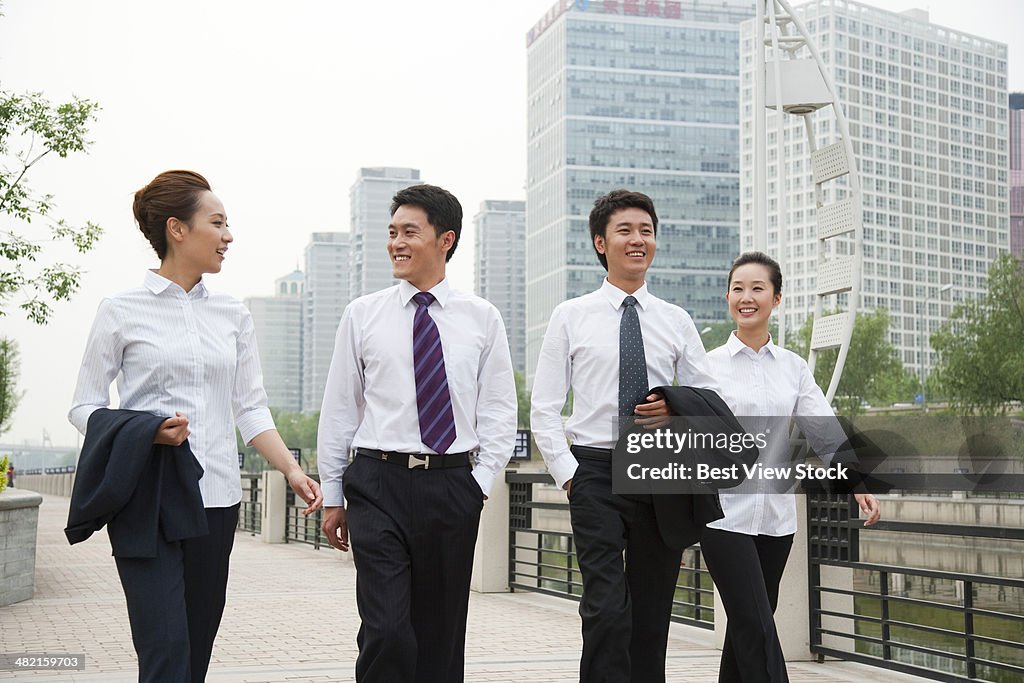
[(924, 338)]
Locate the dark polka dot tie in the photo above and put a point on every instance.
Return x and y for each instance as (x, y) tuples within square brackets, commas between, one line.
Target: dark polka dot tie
[(632, 362)]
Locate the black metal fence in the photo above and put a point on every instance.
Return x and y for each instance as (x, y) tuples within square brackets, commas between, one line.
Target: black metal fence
[(250, 512), (300, 529), (942, 625), (543, 560)]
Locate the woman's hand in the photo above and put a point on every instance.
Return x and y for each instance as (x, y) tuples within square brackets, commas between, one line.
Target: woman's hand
[(307, 489), (869, 506), (173, 431)]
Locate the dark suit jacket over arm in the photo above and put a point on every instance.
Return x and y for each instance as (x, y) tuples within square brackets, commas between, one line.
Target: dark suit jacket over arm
[(681, 518), (137, 488)]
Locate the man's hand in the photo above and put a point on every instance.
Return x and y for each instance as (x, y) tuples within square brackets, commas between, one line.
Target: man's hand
[(869, 506), (335, 527), (173, 431), (307, 489), (567, 486), (652, 414)]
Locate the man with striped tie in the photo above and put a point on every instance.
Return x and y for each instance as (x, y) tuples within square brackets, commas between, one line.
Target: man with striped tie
[(421, 393)]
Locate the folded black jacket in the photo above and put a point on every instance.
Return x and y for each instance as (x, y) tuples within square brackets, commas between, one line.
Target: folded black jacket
[(137, 488), (681, 517)]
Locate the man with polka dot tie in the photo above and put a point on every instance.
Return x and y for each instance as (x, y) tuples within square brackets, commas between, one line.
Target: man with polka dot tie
[(609, 347)]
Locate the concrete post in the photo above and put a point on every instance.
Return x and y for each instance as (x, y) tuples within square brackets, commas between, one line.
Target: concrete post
[(19, 521), (274, 489), (490, 561)]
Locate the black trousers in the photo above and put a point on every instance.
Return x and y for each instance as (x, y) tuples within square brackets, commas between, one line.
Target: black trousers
[(176, 599), (747, 571), (625, 609), (413, 534)]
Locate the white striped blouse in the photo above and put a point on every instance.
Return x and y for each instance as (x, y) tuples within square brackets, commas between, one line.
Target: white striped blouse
[(192, 352), (772, 383)]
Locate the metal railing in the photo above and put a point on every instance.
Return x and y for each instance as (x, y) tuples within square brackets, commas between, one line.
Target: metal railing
[(250, 512), (942, 625), (300, 529), (543, 560)]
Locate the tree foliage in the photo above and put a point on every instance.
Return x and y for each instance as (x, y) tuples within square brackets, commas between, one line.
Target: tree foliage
[(873, 371), (10, 369), (32, 128), (717, 333), (981, 358), (298, 430)]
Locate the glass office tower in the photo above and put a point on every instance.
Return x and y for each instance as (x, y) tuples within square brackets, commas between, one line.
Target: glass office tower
[(643, 96)]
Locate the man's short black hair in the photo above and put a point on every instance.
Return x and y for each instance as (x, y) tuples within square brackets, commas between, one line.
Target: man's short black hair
[(443, 210), (606, 205)]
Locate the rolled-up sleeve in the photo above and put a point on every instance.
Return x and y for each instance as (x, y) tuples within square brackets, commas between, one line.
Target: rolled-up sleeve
[(101, 362), (342, 409), (248, 397)]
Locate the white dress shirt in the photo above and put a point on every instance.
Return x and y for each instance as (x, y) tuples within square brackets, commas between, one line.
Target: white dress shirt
[(581, 352), (370, 397), (772, 382), (192, 352)]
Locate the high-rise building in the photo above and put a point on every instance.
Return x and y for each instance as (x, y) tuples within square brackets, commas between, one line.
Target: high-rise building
[(643, 96), (927, 114), (1017, 173), (500, 241), (326, 295), (370, 203), (277, 320)]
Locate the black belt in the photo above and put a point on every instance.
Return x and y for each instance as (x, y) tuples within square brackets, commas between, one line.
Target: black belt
[(425, 461), (591, 453)]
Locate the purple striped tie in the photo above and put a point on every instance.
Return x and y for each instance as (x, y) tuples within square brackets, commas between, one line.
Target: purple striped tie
[(433, 402)]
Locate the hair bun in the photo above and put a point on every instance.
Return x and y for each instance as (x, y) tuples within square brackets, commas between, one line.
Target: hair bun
[(171, 194)]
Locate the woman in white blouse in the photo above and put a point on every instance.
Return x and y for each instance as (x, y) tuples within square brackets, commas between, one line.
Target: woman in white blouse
[(180, 350), (746, 550)]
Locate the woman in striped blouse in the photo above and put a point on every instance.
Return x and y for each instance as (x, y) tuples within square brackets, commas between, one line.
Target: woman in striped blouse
[(179, 350)]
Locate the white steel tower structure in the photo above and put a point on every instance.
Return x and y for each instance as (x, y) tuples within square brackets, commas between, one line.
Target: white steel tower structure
[(790, 78)]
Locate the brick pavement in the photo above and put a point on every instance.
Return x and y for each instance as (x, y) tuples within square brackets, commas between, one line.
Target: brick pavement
[(291, 617)]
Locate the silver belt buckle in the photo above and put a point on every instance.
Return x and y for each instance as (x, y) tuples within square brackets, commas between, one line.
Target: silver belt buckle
[(415, 462)]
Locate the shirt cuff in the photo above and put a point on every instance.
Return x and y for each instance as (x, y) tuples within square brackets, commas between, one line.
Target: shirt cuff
[(79, 417), (484, 478), (563, 469), (254, 422), (333, 496)]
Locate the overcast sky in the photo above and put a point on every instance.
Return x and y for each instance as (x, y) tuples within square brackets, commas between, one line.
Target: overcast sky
[(278, 104)]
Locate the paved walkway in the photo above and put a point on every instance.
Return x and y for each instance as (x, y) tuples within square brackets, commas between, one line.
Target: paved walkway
[(291, 617)]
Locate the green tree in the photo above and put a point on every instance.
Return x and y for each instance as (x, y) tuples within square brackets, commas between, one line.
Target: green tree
[(10, 368), (873, 371), (715, 334), (298, 430), (523, 400), (32, 128), (981, 360)]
